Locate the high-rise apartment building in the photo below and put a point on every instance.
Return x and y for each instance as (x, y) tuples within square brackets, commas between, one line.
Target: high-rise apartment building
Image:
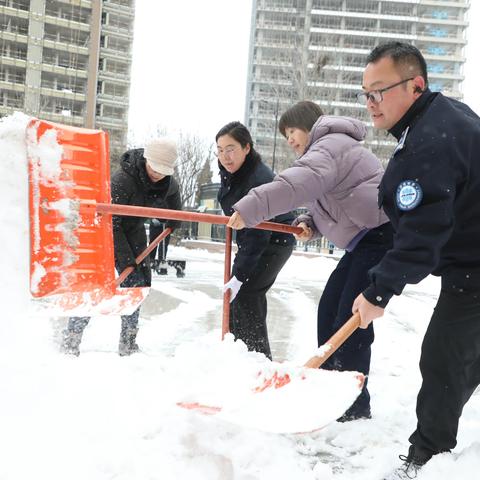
[(68, 61), (316, 50)]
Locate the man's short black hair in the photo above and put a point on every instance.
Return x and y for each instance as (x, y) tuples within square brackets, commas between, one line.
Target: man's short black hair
[(404, 55)]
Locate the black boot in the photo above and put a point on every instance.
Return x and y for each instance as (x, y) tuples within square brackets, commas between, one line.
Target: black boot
[(412, 463), (162, 268), (128, 344), (71, 342)]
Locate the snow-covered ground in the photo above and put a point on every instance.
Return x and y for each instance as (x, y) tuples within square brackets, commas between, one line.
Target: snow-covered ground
[(102, 417)]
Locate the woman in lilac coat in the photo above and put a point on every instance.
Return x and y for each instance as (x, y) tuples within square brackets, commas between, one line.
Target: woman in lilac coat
[(336, 178)]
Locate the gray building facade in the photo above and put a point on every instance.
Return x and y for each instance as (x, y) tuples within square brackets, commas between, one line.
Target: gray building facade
[(68, 61)]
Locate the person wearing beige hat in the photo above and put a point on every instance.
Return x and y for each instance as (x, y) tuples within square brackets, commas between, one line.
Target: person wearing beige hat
[(160, 155), (144, 179)]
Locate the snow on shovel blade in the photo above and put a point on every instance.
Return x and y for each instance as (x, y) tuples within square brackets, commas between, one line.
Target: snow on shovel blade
[(308, 401), (122, 301), (288, 399)]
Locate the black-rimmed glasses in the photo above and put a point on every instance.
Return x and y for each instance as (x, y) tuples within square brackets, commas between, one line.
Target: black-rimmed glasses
[(376, 96)]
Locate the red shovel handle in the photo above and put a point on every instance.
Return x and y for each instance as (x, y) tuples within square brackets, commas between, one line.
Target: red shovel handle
[(226, 277), (335, 341), (140, 258), (150, 212)]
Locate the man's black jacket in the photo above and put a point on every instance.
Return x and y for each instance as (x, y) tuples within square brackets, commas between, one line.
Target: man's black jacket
[(431, 193)]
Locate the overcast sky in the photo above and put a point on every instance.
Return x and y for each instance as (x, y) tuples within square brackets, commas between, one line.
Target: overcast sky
[(190, 59)]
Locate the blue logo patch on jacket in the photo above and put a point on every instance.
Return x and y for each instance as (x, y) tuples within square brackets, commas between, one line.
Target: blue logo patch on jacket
[(409, 195)]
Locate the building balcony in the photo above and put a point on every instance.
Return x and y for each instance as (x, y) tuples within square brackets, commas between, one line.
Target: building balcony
[(114, 7), (13, 11), (118, 31), (446, 76), (362, 33), (9, 110), (77, 120), (115, 54), (63, 93), (12, 86), (444, 58), (65, 47), (80, 3), (435, 3), (14, 62), (261, 7), (70, 72), (275, 26), (271, 63), (114, 100), (119, 123), (441, 22), (276, 45), (404, 19), (69, 24), (435, 39), (14, 36), (114, 78)]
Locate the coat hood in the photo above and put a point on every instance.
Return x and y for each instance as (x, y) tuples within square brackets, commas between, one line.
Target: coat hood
[(133, 162), (332, 124)]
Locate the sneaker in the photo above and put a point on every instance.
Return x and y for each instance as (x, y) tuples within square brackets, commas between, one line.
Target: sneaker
[(162, 271), (412, 463)]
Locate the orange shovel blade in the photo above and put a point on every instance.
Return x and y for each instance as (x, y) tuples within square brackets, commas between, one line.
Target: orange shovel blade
[(71, 248)]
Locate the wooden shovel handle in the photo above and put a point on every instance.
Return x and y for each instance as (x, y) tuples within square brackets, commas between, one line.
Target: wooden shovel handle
[(335, 341)]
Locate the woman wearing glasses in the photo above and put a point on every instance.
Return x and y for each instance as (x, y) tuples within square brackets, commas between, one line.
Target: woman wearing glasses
[(336, 178), (261, 254)]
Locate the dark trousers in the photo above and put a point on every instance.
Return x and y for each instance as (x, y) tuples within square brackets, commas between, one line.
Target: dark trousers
[(346, 282), (160, 251), (248, 312), (450, 367), (129, 322)]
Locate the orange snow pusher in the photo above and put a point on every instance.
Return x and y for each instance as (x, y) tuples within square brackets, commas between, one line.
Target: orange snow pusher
[(71, 240), (71, 248)]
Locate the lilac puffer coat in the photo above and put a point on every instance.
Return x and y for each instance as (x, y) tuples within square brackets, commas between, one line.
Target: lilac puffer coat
[(336, 179)]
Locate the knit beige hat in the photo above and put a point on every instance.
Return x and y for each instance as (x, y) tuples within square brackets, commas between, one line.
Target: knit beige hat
[(161, 154)]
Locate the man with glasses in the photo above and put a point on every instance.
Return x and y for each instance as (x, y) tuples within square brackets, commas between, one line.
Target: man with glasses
[(431, 193)]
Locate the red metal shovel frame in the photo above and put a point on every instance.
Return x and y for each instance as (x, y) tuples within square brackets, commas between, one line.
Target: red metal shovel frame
[(144, 254)]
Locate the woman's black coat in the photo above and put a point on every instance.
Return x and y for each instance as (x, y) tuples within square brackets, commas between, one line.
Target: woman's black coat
[(131, 185), (250, 242)]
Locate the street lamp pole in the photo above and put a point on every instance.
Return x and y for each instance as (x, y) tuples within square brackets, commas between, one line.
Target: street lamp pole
[(275, 135)]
